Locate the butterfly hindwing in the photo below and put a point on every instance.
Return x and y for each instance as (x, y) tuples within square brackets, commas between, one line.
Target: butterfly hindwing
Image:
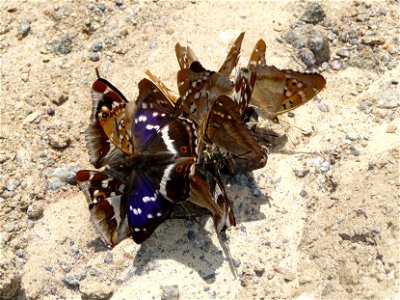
[(106, 196)]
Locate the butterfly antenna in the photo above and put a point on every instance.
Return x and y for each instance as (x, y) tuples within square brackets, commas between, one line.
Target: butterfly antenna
[(97, 73)]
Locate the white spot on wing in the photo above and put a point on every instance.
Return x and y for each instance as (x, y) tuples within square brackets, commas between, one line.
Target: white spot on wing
[(168, 141)]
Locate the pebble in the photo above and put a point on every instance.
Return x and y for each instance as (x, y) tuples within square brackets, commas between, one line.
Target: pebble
[(191, 235), (303, 193), (119, 2), (55, 183), (20, 253), (325, 166), (388, 100), (236, 262), (63, 45), (97, 46), (24, 29), (270, 276), (74, 249), (343, 53), (34, 211), (391, 128), (323, 107), (67, 174), (33, 117), (12, 184), (335, 65), (94, 56), (313, 13), (301, 173), (153, 44), (73, 280), (343, 36), (259, 271), (354, 151), (170, 292), (58, 141), (307, 57), (108, 259)]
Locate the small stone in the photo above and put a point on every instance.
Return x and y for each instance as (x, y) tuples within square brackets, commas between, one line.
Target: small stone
[(291, 114), (354, 151), (10, 227), (236, 262), (20, 253), (50, 111), (325, 166), (94, 290), (74, 249), (67, 175), (303, 193), (343, 53), (12, 184), (270, 276), (73, 280), (33, 117), (343, 37), (108, 259), (97, 46), (94, 56), (313, 13), (259, 271), (307, 57), (59, 98), (24, 29), (170, 292), (34, 211), (335, 65), (388, 100), (49, 269), (119, 2), (63, 45), (191, 235), (323, 107), (301, 173), (55, 184), (394, 82), (391, 128), (59, 141)]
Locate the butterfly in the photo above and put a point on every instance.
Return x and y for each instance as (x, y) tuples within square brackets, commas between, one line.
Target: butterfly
[(279, 91), (156, 168), (158, 149)]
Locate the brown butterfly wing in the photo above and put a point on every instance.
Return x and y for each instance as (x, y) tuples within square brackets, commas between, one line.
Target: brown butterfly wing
[(185, 56), (257, 57), (232, 58), (279, 91), (228, 131), (162, 87)]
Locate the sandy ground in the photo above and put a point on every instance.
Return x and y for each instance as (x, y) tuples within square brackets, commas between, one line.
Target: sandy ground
[(303, 231)]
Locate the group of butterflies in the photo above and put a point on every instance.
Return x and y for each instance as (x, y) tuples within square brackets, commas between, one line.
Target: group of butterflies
[(161, 150)]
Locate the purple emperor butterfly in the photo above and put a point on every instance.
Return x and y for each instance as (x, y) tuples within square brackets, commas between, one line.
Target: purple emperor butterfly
[(278, 91)]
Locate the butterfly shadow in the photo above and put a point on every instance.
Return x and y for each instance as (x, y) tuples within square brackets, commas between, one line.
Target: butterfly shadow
[(184, 241)]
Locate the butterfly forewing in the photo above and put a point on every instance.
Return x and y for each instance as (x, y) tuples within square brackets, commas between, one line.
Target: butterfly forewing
[(257, 57), (106, 196), (185, 56), (232, 58)]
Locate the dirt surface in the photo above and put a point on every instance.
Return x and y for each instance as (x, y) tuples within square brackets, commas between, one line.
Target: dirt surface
[(321, 220)]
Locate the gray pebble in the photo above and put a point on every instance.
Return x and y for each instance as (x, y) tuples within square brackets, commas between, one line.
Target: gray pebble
[(313, 13), (49, 269), (73, 281), (55, 183), (270, 276), (259, 271), (335, 65), (10, 227), (97, 46), (108, 259), (67, 175), (303, 193), (63, 45), (325, 166), (24, 29), (307, 57), (170, 292), (59, 98), (94, 56), (323, 107), (236, 262), (20, 253), (388, 100), (394, 82), (119, 2), (74, 249), (354, 151), (12, 184), (35, 211), (291, 114), (343, 53), (58, 141), (191, 235), (342, 36)]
